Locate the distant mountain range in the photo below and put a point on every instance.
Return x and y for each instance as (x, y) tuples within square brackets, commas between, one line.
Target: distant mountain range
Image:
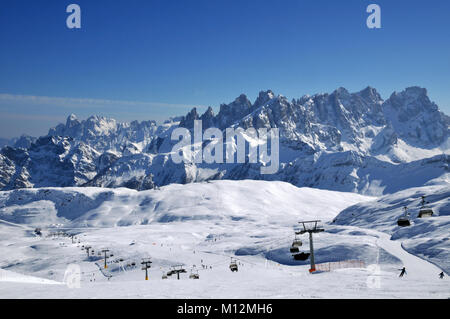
[(354, 142)]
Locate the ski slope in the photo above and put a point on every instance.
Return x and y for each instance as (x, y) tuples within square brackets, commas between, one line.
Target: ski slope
[(417, 268), (427, 238), (200, 226), (9, 276)]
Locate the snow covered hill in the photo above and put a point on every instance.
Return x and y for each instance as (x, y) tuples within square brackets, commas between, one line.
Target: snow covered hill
[(426, 237), (217, 200), (341, 141), (200, 226)]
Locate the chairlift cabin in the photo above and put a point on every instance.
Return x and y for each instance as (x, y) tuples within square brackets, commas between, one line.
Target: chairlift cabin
[(403, 221), (194, 274), (295, 245), (233, 265), (425, 211)]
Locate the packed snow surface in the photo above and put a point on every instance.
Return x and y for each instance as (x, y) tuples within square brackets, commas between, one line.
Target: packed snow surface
[(428, 238), (199, 226)]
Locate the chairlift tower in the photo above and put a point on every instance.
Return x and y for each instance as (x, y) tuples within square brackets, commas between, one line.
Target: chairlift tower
[(87, 250), (177, 269), (105, 251), (146, 264), (313, 228)]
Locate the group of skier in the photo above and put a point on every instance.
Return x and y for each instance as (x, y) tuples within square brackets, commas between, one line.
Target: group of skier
[(403, 272)]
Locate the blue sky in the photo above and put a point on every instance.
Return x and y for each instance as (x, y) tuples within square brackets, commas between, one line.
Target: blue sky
[(154, 59)]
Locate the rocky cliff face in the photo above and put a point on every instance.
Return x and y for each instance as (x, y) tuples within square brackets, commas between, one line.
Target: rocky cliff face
[(342, 141)]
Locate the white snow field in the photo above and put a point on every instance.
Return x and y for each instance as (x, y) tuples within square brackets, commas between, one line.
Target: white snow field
[(428, 238), (201, 224)]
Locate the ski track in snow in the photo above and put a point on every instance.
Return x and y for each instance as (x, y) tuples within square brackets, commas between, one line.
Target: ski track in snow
[(416, 267)]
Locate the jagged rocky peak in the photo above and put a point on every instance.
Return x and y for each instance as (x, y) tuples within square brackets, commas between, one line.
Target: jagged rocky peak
[(209, 113), (188, 120), (54, 144), (341, 92), (236, 110), (72, 121), (411, 100), (371, 94), (24, 141), (263, 97), (415, 118), (99, 151), (241, 105), (208, 118)]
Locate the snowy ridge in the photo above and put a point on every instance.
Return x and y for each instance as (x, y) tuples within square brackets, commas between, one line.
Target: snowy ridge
[(340, 141), (218, 200)]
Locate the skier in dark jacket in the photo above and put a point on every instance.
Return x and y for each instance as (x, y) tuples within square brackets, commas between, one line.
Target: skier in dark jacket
[(441, 275), (403, 271)]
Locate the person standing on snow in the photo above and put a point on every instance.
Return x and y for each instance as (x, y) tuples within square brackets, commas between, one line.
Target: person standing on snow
[(403, 271), (441, 275)]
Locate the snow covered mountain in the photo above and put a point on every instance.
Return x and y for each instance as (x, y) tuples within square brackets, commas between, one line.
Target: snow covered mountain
[(340, 141), (23, 141)]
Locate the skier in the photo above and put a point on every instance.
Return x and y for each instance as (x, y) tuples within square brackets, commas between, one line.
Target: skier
[(403, 271), (441, 275)]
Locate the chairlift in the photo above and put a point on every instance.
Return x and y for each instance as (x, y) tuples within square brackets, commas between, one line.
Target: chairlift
[(424, 211), (194, 274), (403, 221), (177, 270), (233, 265), (295, 245)]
